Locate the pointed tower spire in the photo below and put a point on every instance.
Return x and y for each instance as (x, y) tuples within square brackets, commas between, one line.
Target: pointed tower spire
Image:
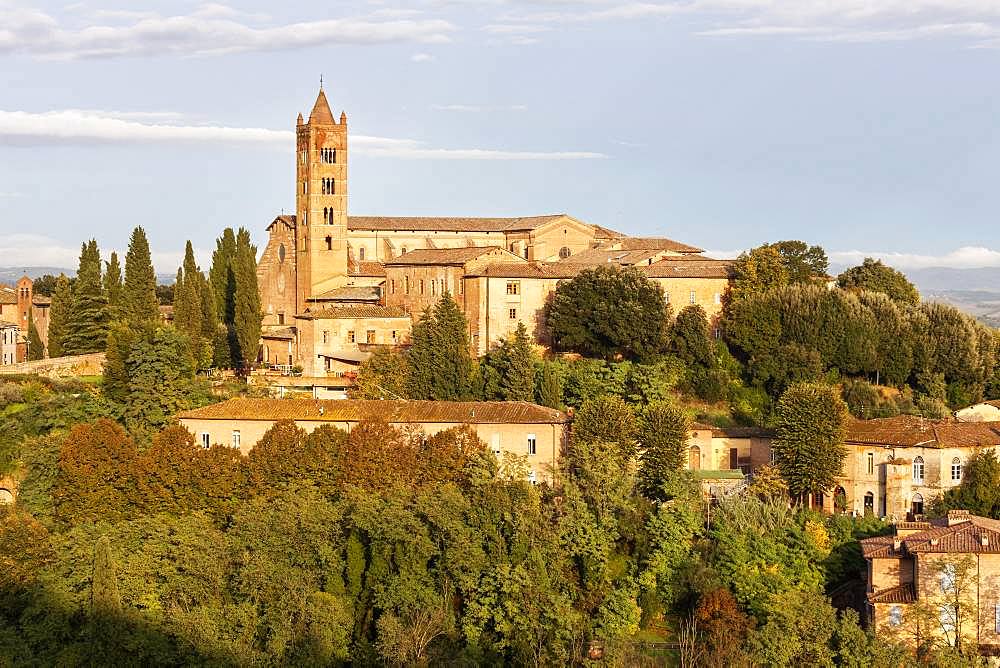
[(299, 121), (343, 117), (321, 113)]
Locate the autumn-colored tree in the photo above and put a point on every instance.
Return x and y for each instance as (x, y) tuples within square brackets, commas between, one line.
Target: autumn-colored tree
[(443, 456), (286, 455), (722, 629), (96, 478), (378, 456)]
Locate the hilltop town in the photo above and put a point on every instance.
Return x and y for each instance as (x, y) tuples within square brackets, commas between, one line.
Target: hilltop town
[(534, 440)]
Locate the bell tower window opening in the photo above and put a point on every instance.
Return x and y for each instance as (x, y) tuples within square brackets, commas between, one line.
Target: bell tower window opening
[(329, 243)]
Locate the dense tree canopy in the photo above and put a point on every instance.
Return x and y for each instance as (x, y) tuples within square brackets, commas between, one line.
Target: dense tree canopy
[(609, 312), (873, 276), (139, 303), (811, 422)]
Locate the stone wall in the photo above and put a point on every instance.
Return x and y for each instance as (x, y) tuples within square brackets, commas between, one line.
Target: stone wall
[(60, 367)]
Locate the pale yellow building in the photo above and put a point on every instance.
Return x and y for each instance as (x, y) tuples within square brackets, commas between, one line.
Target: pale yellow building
[(331, 339), (10, 343), (937, 582), (985, 411), (537, 433)]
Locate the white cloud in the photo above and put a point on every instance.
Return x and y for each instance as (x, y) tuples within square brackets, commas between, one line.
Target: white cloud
[(966, 257), (209, 30), (36, 250), (80, 126), (421, 58), (976, 22)]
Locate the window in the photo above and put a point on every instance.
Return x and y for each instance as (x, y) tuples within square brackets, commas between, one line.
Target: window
[(328, 155), (370, 336), (871, 462), (666, 296), (406, 284), (461, 285), (869, 503), (206, 440), (236, 438), (421, 286), (329, 243), (956, 469), (532, 444), (305, 187), (404, 249), (392, 287), (948, 578), (350, 336), (281, 318), (918, 470), (361, 253), (393, 336), (326, 336), (513, 314), (896, 615), (513, 287), (433, 287), (564, 253), (495, 444), (532, 478), (692, 298), (917, 505), (302, 157), (281, 253), (717, 298)]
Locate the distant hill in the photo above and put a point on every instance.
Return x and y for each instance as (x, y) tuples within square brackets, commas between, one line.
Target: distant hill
[(11, 274)]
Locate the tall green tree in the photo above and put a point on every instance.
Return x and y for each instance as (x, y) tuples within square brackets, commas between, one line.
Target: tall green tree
[(802, 262), (113, 287), (810, 426), (690, 339), (549, 391), (104, 597), (607, 419), (121, 338), (59, 313), (246, 307), (755, 272), (609, 312), (221, 274), (874, 276), (508, 370), (440, 361), (160, 373), (87, 324), (36, 349), (139, 303), (663, 434)]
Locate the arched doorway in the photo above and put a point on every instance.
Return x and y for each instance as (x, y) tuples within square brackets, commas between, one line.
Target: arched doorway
[(694, 458), (917, 506), (839, 500)]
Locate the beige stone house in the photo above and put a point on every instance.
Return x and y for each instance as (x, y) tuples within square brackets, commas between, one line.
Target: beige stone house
[(10, 343), (320, 257), (335, 340), (519, 428), (985, 411), (937, 582), (15, 304), (896, 466)]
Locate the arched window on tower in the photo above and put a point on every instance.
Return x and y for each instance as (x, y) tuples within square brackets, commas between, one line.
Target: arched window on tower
[(564, 253), (329, 243)]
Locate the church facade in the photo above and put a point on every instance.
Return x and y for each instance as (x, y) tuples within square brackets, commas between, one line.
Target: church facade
[(333, 286)]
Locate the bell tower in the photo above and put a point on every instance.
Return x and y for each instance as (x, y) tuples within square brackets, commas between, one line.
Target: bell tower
[(320, 202)]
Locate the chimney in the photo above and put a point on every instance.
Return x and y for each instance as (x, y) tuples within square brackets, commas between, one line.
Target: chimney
[(957, 517), (934, 541), (897, 545)]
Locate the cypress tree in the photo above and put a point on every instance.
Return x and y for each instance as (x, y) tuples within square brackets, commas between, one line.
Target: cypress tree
[(549, 387), (121, 338), (518, 380), (187, 299), (246, 302), (113, 287), (219, 274), (87, 321), (209, 316), (452, 361), (62, 302), (420, 357), (139, 302), (36, 349), (104, 597)]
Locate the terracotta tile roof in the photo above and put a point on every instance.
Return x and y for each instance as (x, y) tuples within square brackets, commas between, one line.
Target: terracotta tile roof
[(456, 256), (40, 300), (689, 268), (283, 333), (913, 431), (656, 243), (553, 270), (964, 535), (902, 594), (4, 324), (471, 412), (366, 269), (446, 224), (8, 295), (287, 220), (354, 311), (605, 256), (321, 111), (348, 293)]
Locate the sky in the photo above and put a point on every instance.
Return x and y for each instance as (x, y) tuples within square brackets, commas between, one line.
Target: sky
[(868, 127)]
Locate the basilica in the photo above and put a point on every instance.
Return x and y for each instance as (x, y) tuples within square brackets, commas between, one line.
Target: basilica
[(334, 286)]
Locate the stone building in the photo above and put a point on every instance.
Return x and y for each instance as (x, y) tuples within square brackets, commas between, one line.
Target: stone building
[(985, 411), (519, 428), (937, 582), (896, 466), (321, 258), (15, 304), (10, 343)]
